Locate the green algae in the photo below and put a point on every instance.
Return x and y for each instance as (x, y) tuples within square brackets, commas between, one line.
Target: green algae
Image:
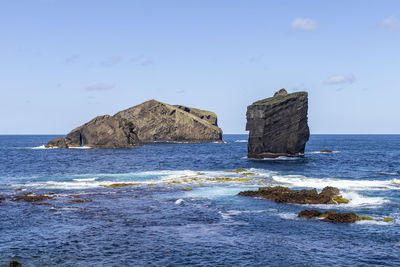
[(339, 200)]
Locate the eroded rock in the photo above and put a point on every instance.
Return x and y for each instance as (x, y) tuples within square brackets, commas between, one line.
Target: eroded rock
[(151, 121)]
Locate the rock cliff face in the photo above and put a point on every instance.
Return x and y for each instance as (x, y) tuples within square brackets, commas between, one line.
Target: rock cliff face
[(278, 125), (159, 122), (151, 121)]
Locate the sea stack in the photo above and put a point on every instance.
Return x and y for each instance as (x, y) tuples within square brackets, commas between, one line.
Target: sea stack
[(278, 125), (149, 122)]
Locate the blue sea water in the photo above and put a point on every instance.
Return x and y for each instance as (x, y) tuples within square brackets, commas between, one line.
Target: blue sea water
[(158, 222)]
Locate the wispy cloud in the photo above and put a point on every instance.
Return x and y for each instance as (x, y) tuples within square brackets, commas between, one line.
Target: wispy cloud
[(110, 62), (143, 60), (72, 59), (305, 24), (390, 23), (350, 78), (100, 87)]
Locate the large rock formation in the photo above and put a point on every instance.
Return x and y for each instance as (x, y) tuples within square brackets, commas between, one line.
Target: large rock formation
[(159, 122), (278, 125), (151, 121)]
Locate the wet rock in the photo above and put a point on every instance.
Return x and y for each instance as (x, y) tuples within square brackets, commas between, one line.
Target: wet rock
[(333, 216), (286, 195), (278, 125), (80, 200), (15, 264), (30, 197), (345, 217), (309, 214)]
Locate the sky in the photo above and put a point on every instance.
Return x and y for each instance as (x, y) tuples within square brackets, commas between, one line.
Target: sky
[(63, 62)]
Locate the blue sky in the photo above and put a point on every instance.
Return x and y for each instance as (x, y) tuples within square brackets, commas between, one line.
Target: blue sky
[(64, 62)]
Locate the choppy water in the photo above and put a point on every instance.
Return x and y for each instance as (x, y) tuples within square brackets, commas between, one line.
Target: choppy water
[(156, 222)]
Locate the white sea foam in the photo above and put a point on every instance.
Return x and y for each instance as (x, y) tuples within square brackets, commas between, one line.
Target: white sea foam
[(302, 181), (278, 158), (179, 201), (325, 152), (85, 179), (241, 141), (43, 147), (287, 215)]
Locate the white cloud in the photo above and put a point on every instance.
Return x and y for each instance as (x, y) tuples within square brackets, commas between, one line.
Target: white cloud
[(390, 23), (304, 24), (100, 87), (341, 79)]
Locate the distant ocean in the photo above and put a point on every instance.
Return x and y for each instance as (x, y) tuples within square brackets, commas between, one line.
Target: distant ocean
[(181, 208)]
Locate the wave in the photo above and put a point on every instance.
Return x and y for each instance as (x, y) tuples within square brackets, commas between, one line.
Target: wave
[(319, 183), (241, 141), (43, 147), (324, 152), (85, 179)]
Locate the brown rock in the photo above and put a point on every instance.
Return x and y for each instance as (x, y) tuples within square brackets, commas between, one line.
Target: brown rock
[(287, 195), (160, 122), (15, 264), (151, 121), (29, 197)]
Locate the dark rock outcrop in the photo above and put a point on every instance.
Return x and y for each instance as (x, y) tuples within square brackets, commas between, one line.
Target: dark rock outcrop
[(151, 121), (15, 264), (160, 122), (104, 132), (58, 142), (328, 195), (333, 216), (278, 125)]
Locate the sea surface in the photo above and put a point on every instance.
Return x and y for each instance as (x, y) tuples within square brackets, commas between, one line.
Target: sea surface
[(182, 208)]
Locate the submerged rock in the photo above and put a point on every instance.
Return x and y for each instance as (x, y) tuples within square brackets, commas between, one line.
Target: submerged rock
[(329, 195), (15, 264), (326, 151), (334, 217), (30, 197), (151, 121), (278, 125)]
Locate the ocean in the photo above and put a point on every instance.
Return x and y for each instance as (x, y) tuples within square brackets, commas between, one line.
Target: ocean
[(181, 207)]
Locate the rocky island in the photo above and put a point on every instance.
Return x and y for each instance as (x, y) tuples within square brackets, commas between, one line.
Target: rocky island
[(151, 121), (278, 125)]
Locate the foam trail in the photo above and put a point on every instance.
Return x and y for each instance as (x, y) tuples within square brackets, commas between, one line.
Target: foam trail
[(241, 141)]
